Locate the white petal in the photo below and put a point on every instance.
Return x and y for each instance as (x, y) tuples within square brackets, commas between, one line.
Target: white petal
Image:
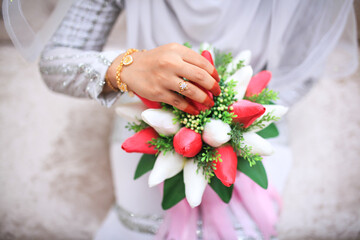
[(195, 183), (216, 133), (243, 55), (131, 111), (161, 121), (242, 77), (166, 166), (276, 110), (259, 145)]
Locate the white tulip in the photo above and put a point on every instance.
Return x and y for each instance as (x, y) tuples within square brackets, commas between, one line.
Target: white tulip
[(161, 121), (258, 144), (216, 132), (244, 56), (131, 111), (242, 78), (276, 110), (195, 183), (166, 166)]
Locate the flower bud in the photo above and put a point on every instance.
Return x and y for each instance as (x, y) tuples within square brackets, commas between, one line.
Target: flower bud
[(242, 78), (209, 47), (206, 54), (161, 121), (216, 133), (195, 183), (226, 169), (245, 56), (246, 112), (166, 166), (258, 144), (131, 111), (276, 110), (187, 142), (258, 83), (139, 142)]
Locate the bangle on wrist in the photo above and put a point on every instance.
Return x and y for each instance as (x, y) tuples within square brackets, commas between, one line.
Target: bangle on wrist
[(110, 84), (125, 61)]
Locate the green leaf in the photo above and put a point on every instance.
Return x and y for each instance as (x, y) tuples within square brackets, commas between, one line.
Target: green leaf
[(174, 191), (270, 131), (257, 172), (187, 44), (145, 164), (223, 191)]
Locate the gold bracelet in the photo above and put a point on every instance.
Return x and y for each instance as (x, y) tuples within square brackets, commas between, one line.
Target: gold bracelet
[(109, 83), (126, 60)]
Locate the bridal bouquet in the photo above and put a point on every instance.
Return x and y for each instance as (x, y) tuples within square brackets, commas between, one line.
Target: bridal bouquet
[(188, 152)]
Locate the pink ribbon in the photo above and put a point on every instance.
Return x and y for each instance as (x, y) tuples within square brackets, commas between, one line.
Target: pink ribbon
[(252, 206), (258, 203), (180, 223)]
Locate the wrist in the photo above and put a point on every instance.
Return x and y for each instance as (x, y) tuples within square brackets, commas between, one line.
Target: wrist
[(111, 74), (114, 76)]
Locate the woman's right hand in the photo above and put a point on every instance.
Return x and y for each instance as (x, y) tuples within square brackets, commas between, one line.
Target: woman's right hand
[(156, 75)]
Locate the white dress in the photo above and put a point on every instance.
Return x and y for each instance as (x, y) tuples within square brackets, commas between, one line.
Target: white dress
[(276, 32)]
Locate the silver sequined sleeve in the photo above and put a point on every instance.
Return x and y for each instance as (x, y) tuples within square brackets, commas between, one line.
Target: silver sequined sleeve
[(73, 62)]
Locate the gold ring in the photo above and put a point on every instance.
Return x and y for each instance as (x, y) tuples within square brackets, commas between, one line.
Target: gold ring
[(183, 86)]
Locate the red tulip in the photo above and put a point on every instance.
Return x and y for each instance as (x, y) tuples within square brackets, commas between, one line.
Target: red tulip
[(139, 142), (187, 142), (149, 103), (206, 54), (258, 83), (226, 169), (246, 112)]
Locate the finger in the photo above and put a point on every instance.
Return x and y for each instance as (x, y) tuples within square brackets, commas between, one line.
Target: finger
[(191, 91), (199, 76), (179, 102), (196, 59)]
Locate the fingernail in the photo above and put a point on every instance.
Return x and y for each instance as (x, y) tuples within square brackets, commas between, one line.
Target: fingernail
[(215, 75), (209, 102), (216, 89), (190, 109)]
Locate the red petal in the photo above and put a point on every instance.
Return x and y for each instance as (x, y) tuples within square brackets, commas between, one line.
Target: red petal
[(247, 112), (187, 142), (206, 54), (258, 83), (226, 170), (139, 142), (149, 103)]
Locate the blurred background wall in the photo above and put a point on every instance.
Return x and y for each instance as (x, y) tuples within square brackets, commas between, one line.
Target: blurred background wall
[(55, 178)]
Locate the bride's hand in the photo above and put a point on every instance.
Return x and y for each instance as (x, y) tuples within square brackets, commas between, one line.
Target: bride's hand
[(156, 75)]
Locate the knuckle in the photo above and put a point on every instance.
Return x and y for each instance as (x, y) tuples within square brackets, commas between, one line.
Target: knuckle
[(204, 64), (163, 61), (157, 93), (159, 76), (173, 46), (176, 102), (199, 76), (166, 62)]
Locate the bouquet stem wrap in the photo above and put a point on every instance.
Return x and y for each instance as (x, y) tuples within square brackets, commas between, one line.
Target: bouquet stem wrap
[(249, 201)]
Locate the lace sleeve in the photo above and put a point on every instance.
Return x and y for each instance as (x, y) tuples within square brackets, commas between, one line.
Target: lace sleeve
[(72, 62)]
